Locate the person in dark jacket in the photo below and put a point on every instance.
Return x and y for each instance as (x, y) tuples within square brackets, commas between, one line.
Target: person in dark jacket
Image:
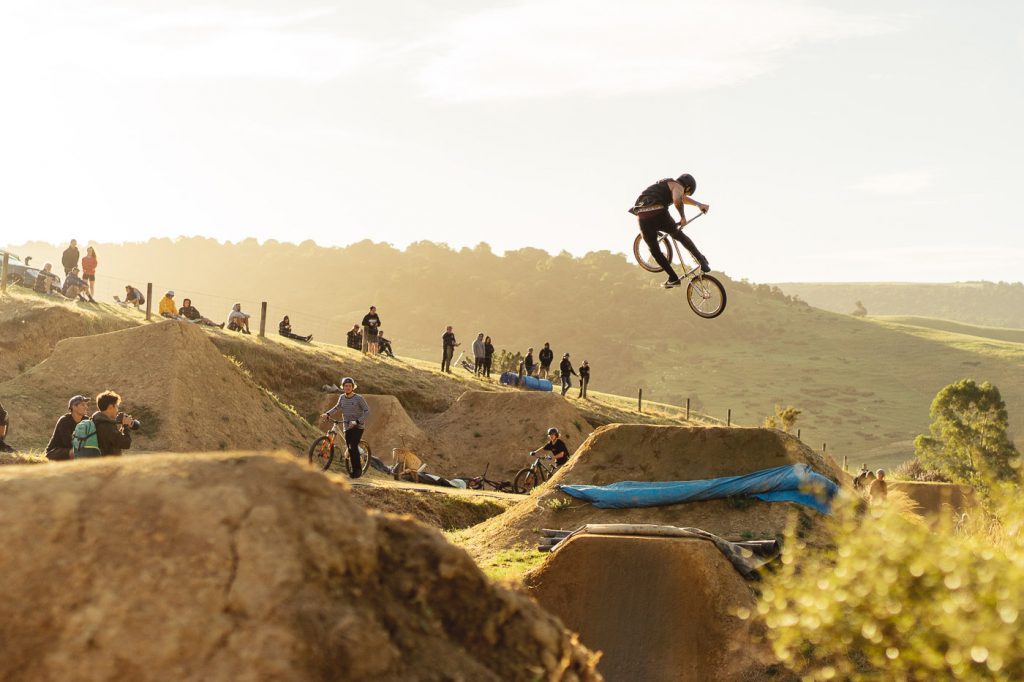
[(355, 338), (4, 422), (192, 314), (566, 371), (384, 344), (371, 322), (651, 210), (110, 431), (488, 356), (59, 447), (546, 356), (584, 378), (284, 328), (528, 364), (69, 259), (448, 345)]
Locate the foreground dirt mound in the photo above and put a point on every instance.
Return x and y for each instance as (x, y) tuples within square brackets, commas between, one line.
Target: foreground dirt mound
[(636, 452), (188, 396), (659, 609), (221, 567), (30, 328), (499, 428)]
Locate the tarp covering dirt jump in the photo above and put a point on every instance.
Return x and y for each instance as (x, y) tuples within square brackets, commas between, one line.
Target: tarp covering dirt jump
[(790, 483)]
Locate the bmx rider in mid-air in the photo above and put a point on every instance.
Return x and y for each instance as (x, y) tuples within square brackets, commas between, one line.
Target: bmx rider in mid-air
[(651, 210)]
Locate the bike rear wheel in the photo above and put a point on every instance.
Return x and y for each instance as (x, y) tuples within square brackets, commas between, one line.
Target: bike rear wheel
[(643, 255), (364, 458), (706, 296), (321, 453), (525, 481)]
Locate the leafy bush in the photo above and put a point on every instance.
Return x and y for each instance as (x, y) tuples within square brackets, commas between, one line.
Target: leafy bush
[(914, 470), (894, 600)]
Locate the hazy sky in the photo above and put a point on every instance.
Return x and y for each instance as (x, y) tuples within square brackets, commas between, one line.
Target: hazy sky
[(860, 140)]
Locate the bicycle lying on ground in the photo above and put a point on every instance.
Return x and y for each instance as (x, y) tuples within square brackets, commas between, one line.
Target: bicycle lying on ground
[(479, 482), (704, 293), (321, 452), (531, 477)]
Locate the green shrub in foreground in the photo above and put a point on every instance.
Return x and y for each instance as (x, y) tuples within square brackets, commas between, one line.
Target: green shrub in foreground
[(895, 600)]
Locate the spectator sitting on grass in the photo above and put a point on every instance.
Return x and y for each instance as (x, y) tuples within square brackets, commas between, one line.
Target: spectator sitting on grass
[(355, 338), (189, 312), (132, 296), (168, 308), (110, 430), (76, 288), (59, 447), (4, 421), (384, 345), (284, 328), (237, 320), (44, 280)]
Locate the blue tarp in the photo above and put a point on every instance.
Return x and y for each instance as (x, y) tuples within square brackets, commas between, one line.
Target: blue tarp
[(791, 483)]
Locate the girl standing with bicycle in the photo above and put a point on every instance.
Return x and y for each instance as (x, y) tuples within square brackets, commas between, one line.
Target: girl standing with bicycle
[(651, 210), (354, 411)]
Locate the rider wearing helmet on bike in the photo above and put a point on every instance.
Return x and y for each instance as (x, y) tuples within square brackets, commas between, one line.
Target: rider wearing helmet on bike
[(354, 411), (556, 447), (651, 210)]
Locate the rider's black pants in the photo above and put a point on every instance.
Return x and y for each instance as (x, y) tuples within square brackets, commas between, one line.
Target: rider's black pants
[(661, 221), (352, 438)]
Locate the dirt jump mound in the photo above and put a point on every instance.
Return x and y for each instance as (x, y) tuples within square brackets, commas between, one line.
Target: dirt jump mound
[(499, 428), (659, 609), (221, 567), (188, 396), (388, 426), (637, 452)]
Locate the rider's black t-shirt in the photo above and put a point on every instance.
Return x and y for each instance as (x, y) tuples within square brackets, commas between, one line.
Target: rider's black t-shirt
[(558, 449)]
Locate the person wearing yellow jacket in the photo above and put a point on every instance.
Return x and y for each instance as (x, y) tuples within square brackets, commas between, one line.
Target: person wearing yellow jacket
[(167, 307)]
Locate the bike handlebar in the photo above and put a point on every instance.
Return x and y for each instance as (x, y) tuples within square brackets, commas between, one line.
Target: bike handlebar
[(699, 214)]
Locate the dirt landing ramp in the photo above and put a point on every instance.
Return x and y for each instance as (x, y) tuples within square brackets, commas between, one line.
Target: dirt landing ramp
[(188, 396), (246, 567), (660, 609), (499, 428)]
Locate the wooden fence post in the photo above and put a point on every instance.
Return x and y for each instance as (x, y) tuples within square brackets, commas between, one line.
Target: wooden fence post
[(263, 319), (149, 301), (3, 274), (640, 400), (798, 434), (845, 468), (823, 447), (728, 419), (687, 409)]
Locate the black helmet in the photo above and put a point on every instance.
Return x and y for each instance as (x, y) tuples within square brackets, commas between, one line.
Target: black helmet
[(687, 181), (552, 431)]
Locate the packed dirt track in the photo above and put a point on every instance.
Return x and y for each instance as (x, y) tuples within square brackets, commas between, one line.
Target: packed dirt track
[(635, 452), (659, 609), (247, 567), (188, 396)]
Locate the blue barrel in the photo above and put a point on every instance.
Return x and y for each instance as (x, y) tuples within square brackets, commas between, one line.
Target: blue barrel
[(532, 383), (544, 385)]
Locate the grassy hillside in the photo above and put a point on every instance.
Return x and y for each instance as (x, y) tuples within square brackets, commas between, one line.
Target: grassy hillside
[(864, 386), (978, 303)]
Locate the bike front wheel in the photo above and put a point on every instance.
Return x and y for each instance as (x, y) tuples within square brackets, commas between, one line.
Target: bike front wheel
[(321, 453), (643, 254), (364, 458), (706, 296), (525, 481)]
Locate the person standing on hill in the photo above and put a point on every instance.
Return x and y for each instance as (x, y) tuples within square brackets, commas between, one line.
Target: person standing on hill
[(546, 356), (448, 345), (354, 411), (651, 210), (69, 259), (584, 378), (4, 423), (478, 354), (528, 364), (371, 321), (488, 356), (111, 425), (89, 263), (566, 371), (59, 447)]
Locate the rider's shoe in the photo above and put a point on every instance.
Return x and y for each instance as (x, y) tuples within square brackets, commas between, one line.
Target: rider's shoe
[(704, 267), (671, 282)]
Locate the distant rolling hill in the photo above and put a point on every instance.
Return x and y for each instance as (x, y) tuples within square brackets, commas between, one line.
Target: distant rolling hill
[(864, 385)]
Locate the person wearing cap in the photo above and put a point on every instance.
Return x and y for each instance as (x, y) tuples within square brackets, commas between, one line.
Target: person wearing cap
[(168, 308), (584, 378), (354, 411), (566, 371), (4, 422), (371, 322), (59, 447), (237, 320), (76, 287)]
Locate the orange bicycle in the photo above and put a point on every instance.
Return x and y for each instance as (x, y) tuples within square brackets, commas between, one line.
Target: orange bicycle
[(321, 452)]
